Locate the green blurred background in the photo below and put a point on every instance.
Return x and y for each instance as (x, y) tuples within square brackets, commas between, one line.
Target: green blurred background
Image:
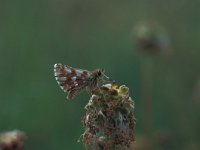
[(36, 34)]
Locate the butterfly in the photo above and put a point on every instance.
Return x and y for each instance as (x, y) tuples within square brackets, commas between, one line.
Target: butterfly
[(73, 80)]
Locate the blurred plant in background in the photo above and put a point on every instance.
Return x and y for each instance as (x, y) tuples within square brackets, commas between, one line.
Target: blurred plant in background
[(151, 38), (12, 140)]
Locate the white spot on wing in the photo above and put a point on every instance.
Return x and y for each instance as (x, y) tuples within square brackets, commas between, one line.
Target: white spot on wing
[(63, 89), (62, 78), (55, 65), (74, 78), (68, 70), (58, 83), (78, 73)]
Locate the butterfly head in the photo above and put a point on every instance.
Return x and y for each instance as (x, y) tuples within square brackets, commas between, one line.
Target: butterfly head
[(101, 73)]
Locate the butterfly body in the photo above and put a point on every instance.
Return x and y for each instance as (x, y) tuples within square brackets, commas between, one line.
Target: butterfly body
[(74, 80)]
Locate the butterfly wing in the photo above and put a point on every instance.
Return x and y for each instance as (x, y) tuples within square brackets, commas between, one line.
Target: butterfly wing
[(70, 79)]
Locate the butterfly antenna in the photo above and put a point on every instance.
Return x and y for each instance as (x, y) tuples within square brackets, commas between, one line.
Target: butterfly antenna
[(107, 80), (106, 76)]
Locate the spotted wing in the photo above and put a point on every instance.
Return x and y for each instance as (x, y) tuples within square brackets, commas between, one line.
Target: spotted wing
[(70, 79)]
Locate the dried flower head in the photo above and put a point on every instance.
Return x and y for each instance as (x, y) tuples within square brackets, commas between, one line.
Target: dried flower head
[(109, 120), (12, 140)]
